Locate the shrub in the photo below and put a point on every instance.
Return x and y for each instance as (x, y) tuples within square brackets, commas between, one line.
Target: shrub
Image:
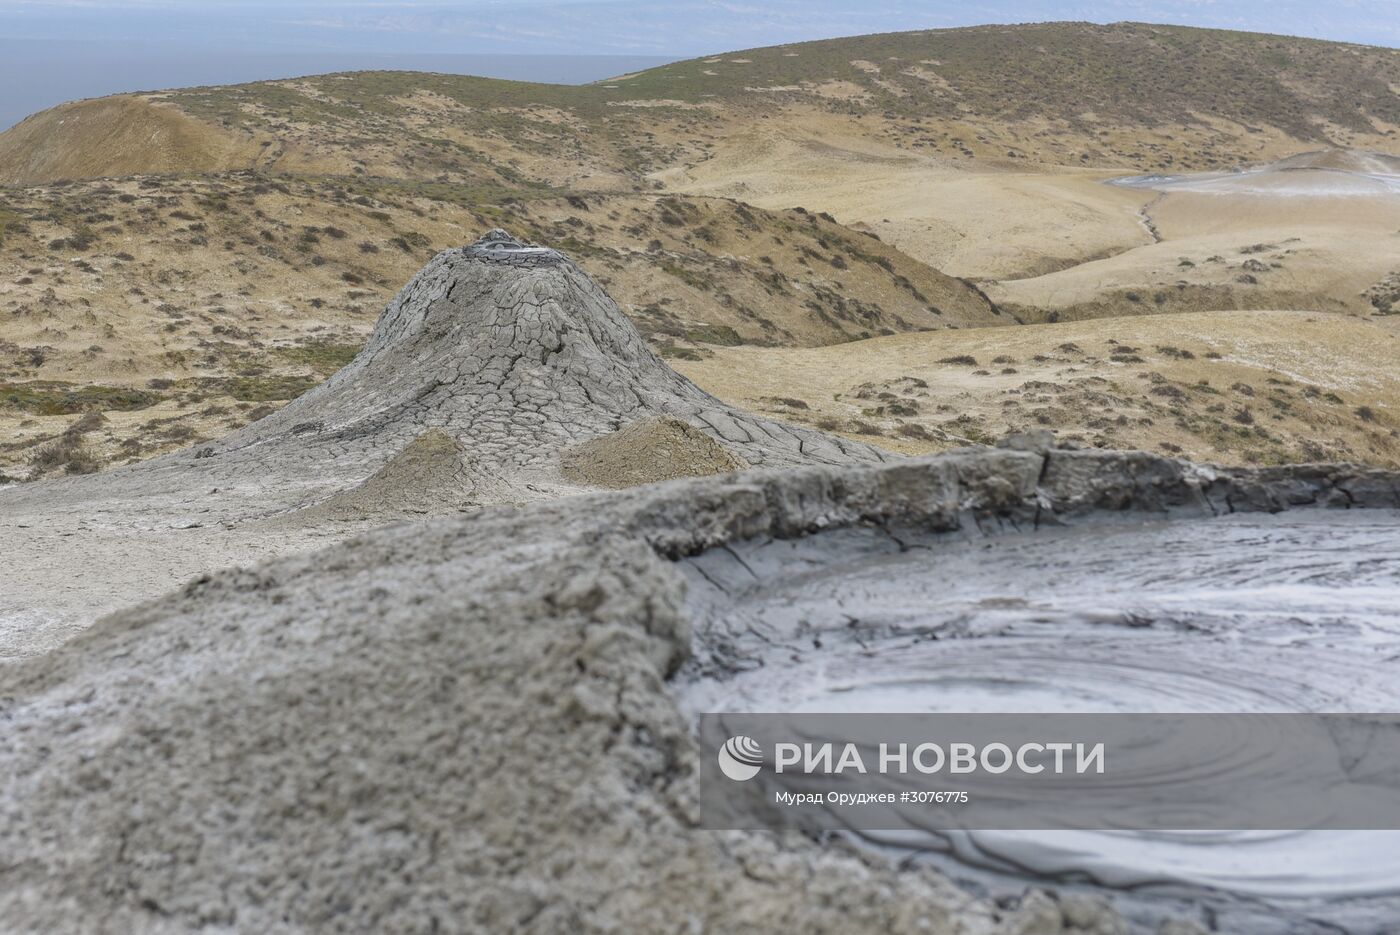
[(722, 335), (67, 452), (50, 398), (88, 422)]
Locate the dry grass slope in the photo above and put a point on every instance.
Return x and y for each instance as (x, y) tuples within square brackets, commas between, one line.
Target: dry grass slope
[(1127, 94), (1228, 387), (120, 135), (1079, 73)]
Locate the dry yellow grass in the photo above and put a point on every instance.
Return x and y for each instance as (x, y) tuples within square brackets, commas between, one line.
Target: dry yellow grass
[(1228, 252), (120, 135), (988, 219), (1233, 387), (1074, 94)]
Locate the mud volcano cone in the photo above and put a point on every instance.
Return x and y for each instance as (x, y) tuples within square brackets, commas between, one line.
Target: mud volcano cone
[(512, 353), (515, 352)]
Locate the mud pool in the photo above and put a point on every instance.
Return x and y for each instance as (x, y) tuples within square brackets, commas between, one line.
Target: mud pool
[(1254, 613), (1330, 173)]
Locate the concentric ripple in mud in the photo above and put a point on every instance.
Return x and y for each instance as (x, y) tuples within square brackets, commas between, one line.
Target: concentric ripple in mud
[(1297, 612)]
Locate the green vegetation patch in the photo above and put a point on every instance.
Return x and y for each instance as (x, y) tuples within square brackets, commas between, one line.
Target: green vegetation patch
[(267, 389), (722, 335), (11, 222), (323, 357), (51, 398), (695, 280)]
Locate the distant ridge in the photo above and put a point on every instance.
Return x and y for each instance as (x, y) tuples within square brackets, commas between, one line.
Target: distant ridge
[(1231, 89)]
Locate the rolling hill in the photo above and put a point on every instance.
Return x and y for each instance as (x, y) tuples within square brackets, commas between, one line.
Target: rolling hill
[(1255, 387), (1127, 94)]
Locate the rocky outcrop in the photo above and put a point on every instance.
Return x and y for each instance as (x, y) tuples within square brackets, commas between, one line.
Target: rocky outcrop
[(465, 724)]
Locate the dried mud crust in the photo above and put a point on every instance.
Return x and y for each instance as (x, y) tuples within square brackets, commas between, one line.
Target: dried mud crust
[(516, 360), (465, 724), (645, 452), (432, 474)]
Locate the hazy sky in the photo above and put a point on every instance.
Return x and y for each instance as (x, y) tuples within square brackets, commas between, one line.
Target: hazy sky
[(56, 50), (661, 27)]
